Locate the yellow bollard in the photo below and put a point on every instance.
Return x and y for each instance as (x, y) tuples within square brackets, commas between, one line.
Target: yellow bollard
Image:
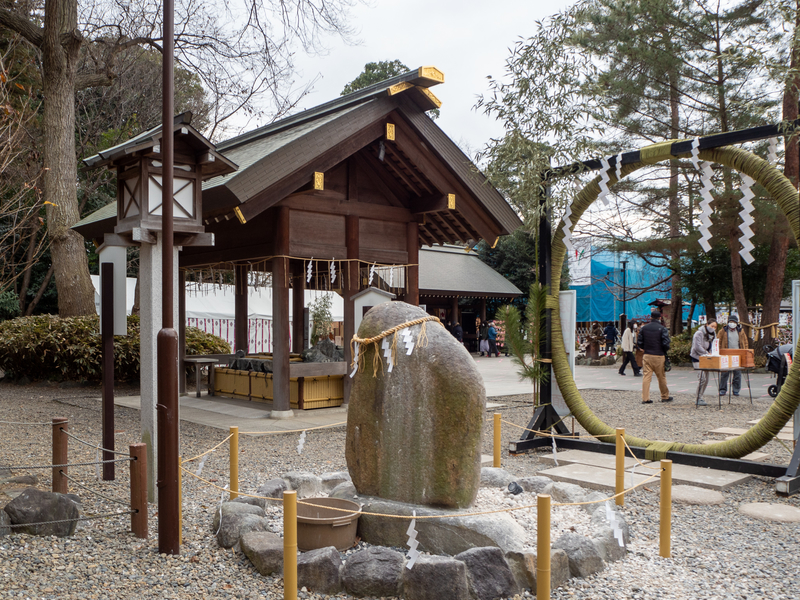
[(234, 462), (497, 442), (290, 545), (664, 547), (620, 482), (180, 501), (542, 547)]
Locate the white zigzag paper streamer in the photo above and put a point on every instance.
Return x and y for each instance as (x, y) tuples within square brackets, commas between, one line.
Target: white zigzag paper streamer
[(604, 179), (301, 442), (408, 340), (201, 465), (772, 152), (413, 553), (707, 174), (611, 517), (333, 271), (555, 451), (567, 229), (618, 167), (747, 219), (308, 269), (633, 473), (391, 277), (372, 273), (387, 353), (355, 359)]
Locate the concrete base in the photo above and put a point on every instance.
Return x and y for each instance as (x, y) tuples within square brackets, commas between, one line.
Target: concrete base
[(593, 478), (782, 435), (487, 460), (605, 461), (281, 414), (771, 512)]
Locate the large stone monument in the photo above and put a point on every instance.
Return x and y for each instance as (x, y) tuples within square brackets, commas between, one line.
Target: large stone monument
[(414, 433)]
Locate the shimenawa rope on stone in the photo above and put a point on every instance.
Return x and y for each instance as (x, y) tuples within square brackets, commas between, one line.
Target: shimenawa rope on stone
[(422, 341)]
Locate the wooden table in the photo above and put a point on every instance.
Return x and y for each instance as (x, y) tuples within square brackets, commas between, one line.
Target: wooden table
[(198, 363), (730, 382)]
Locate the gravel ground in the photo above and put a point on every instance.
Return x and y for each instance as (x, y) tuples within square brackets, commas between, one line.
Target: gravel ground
[(717, 553)]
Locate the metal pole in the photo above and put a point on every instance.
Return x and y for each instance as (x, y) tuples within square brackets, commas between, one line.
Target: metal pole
[(497, 442), (545, 269), (167, 341), (624, 286), (620, 467), (139, 490), (60, 454), (290, 545), (665, 546), (234, 458), (107, 341), (543, 547)]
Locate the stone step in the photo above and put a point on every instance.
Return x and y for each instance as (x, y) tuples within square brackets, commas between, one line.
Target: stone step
[(605, 479), (594, 478), (782, 435), (606, 461)]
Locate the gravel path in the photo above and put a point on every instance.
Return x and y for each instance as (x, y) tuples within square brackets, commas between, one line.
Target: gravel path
[(718, 553)]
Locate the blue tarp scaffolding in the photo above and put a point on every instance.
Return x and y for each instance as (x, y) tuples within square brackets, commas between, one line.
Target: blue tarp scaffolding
[(597, 279)]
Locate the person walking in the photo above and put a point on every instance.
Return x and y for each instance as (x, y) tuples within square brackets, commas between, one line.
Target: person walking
[(701, 346), (654, 340), (610, 333), (492, 336), (732, 337), (628, 348), (483, 336), (458, 332)]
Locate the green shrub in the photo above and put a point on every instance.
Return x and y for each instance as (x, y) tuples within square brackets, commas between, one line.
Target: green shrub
[(680, 346), (49, 347), (9, 305)]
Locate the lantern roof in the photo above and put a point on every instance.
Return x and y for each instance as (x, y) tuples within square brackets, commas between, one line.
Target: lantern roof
[(211, 162)]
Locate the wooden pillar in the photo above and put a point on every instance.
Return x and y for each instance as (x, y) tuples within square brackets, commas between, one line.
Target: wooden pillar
[(298, 305), (412, 245), (483, 310), (454, 311), (353, 285), (240, 309), (280, 317), (181, 331)]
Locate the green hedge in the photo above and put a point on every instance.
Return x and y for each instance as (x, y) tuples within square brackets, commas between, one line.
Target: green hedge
[(49, 347)]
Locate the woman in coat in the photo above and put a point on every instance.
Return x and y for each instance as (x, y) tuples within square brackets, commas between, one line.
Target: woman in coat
[(628, 349)]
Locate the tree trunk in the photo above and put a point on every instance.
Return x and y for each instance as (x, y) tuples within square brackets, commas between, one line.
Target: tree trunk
[(781, 237), (736, 278), (59, 59), (676, 308), (708, 302)]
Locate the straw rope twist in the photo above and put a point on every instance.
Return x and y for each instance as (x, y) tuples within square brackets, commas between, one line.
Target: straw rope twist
[(422, 341), (788, 400)]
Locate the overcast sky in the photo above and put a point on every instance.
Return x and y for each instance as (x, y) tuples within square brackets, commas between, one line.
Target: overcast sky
[(468, 40)]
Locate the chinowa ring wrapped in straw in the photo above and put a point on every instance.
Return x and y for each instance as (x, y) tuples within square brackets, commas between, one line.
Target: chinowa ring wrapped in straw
[(788, 399)]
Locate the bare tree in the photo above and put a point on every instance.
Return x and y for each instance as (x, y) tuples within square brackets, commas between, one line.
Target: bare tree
[(242, 53)]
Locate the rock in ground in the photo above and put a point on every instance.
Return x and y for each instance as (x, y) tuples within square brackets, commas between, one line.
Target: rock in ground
[(431, 405), (374, 571), (488, 573), (320, 570), (584, 559), (37, 506), (436, 578), (265, 551)]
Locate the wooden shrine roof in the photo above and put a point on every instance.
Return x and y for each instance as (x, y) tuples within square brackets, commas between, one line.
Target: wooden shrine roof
[(449, 272)]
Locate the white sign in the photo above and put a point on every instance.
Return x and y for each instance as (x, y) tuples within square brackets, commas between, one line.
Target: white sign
[(580, 263)]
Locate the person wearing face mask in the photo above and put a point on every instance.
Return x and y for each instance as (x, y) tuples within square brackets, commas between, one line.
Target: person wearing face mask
[(701, 345), (733, 337), (628, 347)]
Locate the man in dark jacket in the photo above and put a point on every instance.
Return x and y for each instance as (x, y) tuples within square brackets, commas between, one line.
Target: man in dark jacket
[(654, 340), (610, 332)]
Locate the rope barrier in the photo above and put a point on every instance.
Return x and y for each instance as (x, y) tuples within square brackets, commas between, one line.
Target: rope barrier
[(624, 441), (292, 430), (83, 464), (188, 460), (18, 423), (87, 518), (408, 517), (88, 489), (556, 435), (85, 443)]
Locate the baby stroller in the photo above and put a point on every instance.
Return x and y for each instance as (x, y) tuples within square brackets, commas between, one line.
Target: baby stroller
[(776, 363)]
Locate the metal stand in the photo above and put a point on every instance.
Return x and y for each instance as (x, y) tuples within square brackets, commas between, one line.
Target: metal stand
[(545, 418), (789, 483)]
